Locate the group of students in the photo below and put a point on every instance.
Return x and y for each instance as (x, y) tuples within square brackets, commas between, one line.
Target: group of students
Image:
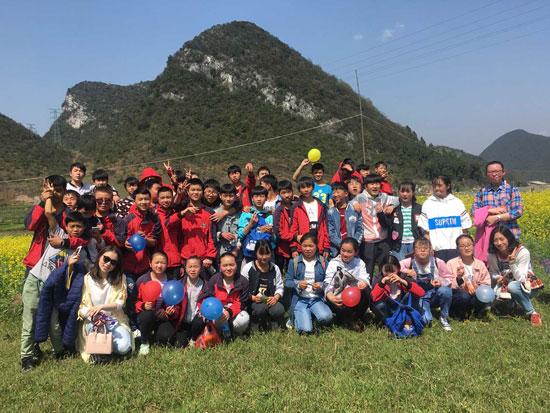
[(262, 250)]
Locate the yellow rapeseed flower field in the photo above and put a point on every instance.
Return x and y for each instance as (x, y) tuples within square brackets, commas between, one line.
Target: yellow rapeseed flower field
[(535, 224), (12, 252)]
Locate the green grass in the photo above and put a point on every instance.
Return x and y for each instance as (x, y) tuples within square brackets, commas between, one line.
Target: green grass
[(481, 366), (11, 219)]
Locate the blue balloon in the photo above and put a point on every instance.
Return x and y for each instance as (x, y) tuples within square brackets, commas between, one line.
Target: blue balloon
[(173, 292), (485, 294), (137, 242), (211, 308)]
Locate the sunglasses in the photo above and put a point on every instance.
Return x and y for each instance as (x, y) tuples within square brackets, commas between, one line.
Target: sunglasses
[(103, 200), (108, 260)]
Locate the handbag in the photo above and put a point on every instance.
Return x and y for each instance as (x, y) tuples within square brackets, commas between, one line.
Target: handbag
[(99, 343), (209, 337)]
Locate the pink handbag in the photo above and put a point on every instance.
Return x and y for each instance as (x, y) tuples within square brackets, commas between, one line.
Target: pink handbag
[(99, 343)]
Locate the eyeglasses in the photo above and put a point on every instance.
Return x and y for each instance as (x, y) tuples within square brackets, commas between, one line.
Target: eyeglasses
[(466, 247), (422, 248), (495, 172), (109, 260), (103, 200)]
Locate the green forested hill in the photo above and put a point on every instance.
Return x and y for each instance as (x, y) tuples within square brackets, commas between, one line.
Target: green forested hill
[(233, 84), (522, 151), (24, 154)]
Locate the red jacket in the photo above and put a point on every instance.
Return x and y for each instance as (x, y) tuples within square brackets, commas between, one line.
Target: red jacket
[(114, 231), (385, 187), (337, 177), (36, 221), (183, 305), (281, 229), (300, 226), (149, 173), (138, 262), (236, 300), (139, 302), (244, 191), (170, 240), (197, 235), (380, 292)]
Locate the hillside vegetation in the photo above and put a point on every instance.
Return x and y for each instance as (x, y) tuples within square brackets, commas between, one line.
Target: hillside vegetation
[(236, 84)]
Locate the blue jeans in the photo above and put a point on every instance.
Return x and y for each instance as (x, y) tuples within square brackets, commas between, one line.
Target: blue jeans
[(404, 250), (122, 342), (440, 297), (305, 308), (521, 297)]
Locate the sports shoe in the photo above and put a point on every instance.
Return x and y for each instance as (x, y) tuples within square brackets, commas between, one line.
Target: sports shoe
[(445, 324), (37, 354), (144, 349), (27, 364), (289, 325), (535, 319), (136, 333)]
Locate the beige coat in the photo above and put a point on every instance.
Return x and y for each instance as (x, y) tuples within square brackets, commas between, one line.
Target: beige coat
[(117, 293)]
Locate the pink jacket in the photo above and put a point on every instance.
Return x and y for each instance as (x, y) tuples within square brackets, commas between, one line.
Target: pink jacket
[(444, 275), (483, 233), (480, 274)]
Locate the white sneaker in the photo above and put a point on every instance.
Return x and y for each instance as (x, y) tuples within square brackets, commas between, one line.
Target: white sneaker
[(445, 324), (144, 349), (289, 325), (136, 333)]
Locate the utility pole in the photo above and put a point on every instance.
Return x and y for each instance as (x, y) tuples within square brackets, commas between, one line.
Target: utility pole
[(361, 111), (56, 135), (31, 127)]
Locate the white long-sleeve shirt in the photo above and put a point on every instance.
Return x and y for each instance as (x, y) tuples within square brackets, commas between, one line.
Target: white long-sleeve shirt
[(444, 219)]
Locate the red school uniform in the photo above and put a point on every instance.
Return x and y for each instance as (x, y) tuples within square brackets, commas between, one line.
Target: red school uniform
[(244, 191), (281, 229), (301, 225), (233, 301), (197, 235), (138, 262), (170, 240)]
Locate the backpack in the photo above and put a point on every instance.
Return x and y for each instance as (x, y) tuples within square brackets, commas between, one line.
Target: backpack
[(253, 237), (321, 258), (404, 313)]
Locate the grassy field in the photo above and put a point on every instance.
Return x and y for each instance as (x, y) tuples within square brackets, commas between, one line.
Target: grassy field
[(498, 364)]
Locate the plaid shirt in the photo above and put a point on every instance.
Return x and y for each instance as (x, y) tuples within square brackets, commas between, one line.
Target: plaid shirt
[(505, 195), (123, 206)]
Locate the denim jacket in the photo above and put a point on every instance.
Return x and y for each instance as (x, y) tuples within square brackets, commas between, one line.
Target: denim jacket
[(354, 226)]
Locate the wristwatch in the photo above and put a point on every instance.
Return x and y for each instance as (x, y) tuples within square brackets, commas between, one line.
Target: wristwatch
[(498, 217)]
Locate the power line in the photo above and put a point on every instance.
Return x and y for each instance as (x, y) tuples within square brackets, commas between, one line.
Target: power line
[(414, 33), (322, 125), (451, 38), (456, 45), (458, 54)]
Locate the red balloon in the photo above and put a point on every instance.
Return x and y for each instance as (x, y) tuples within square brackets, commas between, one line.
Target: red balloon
[(151, 291), (351, 296)]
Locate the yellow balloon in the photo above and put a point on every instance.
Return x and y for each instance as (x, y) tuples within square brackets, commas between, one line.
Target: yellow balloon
[(314, 155)]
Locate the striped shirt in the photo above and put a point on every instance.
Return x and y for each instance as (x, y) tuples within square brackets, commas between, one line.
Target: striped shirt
[(505, 195), (407, 226)]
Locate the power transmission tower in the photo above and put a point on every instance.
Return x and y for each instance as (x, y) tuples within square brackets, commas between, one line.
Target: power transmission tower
[(56, 135), (31, 127)]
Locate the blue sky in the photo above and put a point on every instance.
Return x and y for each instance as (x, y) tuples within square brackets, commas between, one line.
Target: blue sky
[(460, 73)]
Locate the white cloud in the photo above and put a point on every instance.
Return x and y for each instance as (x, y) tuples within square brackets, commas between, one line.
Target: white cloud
[(392, 31), (358, 36)]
